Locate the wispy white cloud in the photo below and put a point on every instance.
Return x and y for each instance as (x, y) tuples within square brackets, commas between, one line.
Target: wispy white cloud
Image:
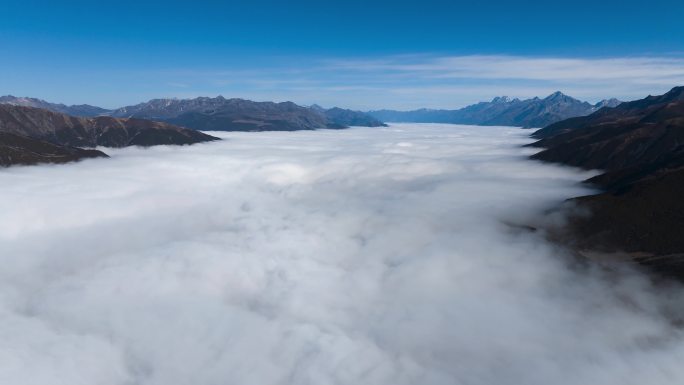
[(465, 78), (178, 85), (643, 70), (412, 81), (403, 82)]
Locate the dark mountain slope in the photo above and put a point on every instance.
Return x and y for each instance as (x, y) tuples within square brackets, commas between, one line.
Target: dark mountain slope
[(105, 131), (640, 147), (20, 150)]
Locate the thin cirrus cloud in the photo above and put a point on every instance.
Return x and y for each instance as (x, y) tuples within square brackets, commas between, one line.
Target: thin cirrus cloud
[(468, 79), (398, 82), (647, 70), (415, 81)]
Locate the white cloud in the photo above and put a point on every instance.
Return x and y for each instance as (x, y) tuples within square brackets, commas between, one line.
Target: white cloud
[(643, 69), (415, 81), (365, 256), (468, 79), (399, 82)]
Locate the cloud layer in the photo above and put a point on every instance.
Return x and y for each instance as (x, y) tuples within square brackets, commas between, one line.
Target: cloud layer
[(365, 256)]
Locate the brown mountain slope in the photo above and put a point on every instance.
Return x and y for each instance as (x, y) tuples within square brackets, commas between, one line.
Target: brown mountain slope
[(90, 132), (640, 147), (20, 150)]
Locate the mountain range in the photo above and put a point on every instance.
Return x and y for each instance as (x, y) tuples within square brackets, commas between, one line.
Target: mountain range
[(83, 110), (639, 146), (219, 114), (502, 111), (35, 131)]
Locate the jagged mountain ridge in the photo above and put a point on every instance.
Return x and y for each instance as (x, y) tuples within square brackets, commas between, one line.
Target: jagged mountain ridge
[(218, 114), (502, 111), (82, 110), (221, 114)]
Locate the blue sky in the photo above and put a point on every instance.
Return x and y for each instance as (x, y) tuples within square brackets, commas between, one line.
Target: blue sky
[(356, 54)]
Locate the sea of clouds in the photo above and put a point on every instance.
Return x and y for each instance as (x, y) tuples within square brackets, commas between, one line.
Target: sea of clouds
[(365, 256)]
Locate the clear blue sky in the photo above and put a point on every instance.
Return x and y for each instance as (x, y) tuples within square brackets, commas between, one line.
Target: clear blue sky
[(360, 54)]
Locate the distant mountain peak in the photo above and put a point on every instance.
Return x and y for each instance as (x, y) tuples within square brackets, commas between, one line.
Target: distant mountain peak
[(20, 100), (82, 110), (500, 111), (502, 99), (676, 93), (557, 96), (612, 102)]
